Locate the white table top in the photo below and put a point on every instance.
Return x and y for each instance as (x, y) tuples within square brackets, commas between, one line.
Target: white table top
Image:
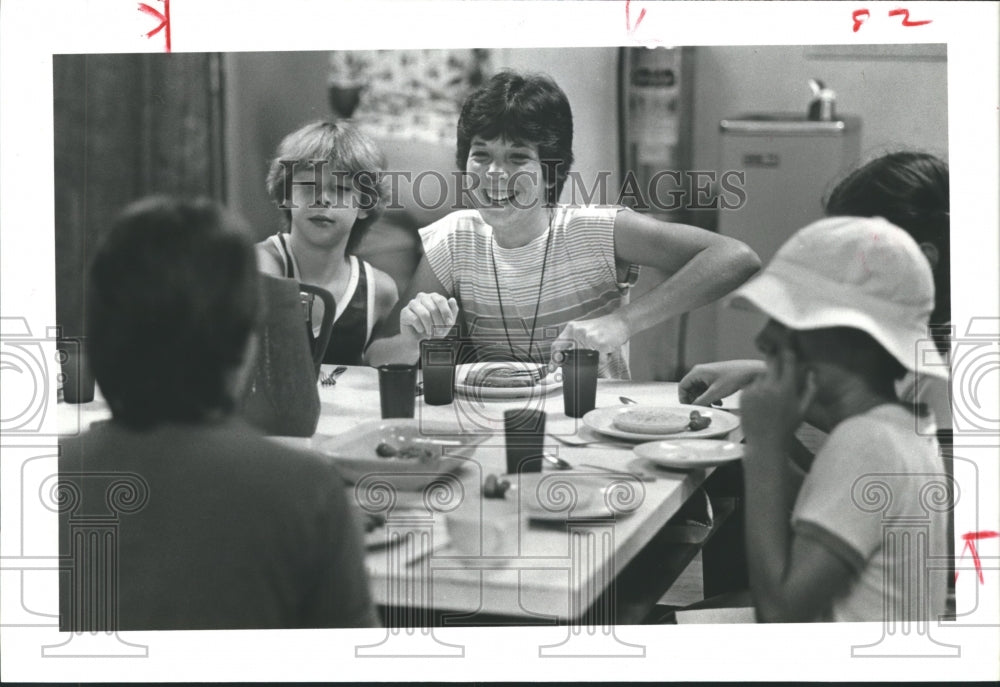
[(546, 568)]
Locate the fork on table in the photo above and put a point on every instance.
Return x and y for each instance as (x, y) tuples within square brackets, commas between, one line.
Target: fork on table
[(331, 379)]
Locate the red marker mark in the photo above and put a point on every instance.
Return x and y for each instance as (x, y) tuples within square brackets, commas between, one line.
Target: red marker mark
[(164, 18), (906, 17), (970, 539), (628, 19), (859, 18)]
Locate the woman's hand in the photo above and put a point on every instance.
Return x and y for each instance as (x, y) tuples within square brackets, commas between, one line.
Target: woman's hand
[(428, 315), (605, 334), (775, 404), (709, 383)]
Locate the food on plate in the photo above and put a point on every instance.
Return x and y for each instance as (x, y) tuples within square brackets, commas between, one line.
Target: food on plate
[(698, 421), (651, 421), (506, 376), (385, 450), (410, 451), (495, 488)]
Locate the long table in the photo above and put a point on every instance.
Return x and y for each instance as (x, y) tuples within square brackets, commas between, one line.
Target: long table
[(598, 569)]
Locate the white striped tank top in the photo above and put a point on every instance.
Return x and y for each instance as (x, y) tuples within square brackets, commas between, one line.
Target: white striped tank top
[(582, 279)]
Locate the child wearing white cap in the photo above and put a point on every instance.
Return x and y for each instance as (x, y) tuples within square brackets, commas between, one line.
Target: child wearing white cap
[(848, 301)]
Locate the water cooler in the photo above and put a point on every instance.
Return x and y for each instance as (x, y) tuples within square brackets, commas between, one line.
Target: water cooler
[(790, 163), (655, 103)]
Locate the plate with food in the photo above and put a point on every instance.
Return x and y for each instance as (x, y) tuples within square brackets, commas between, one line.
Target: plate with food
[(689, 454), (409, 454), (649, 423), (505, 379)]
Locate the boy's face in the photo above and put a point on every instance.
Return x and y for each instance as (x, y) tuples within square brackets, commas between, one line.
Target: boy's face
[(324, 216), (508, 178)]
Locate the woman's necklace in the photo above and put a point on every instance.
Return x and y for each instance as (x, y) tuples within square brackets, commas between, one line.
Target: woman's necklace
[(538, 299)]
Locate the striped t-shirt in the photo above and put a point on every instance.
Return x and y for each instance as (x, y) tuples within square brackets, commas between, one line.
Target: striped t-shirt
[(582, 280)]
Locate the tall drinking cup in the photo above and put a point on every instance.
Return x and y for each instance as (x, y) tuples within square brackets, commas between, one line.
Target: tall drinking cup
[(524, 430), (437, 358), (397, 387), (579, 367), (78, 377)]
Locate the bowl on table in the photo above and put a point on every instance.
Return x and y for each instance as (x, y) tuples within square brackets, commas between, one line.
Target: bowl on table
[(406, 453)]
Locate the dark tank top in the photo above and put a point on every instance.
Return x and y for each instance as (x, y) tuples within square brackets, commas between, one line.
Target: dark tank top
[(352, 329)]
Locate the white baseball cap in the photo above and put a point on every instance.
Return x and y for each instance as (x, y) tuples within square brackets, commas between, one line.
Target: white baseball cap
[(863, 273)]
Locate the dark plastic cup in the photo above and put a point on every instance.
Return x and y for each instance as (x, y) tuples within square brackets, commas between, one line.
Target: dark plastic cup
[(397, 388), (579, 368), (524, 431), (437, 358), (78, 377)]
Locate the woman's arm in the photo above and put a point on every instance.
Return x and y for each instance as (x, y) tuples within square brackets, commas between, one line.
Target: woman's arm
[(424, 310), (703, 267)]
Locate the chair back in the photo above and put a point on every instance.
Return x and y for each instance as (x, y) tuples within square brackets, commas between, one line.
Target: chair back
[(308, 293), (282, 396)]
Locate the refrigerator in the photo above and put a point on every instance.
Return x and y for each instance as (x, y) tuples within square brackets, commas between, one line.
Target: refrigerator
[(788, 164)]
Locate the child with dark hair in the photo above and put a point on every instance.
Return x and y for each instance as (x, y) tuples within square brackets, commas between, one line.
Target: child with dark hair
[(326, 178), (518, 268), (911, 190), (226, 529), (848, 300)]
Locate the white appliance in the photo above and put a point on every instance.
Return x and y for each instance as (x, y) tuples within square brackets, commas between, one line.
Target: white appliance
[(790, 163)]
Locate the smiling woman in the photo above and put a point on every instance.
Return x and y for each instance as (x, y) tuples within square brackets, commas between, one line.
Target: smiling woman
[(523, 277)]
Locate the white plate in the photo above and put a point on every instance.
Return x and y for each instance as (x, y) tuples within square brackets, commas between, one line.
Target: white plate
[(355, 456), (602, 420), (690, 454), (564, 495), (547, 384)]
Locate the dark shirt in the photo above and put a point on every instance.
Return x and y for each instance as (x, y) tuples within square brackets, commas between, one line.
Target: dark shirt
[(213, 526)]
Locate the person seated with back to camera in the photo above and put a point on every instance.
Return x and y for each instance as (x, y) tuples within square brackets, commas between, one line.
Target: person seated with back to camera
[(238, 532), (519, 266), (910, 190), (847, 301), (326, 179)]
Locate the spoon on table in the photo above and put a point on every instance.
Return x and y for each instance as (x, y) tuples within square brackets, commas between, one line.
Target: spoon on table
[(331, 379), (566, 465)]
